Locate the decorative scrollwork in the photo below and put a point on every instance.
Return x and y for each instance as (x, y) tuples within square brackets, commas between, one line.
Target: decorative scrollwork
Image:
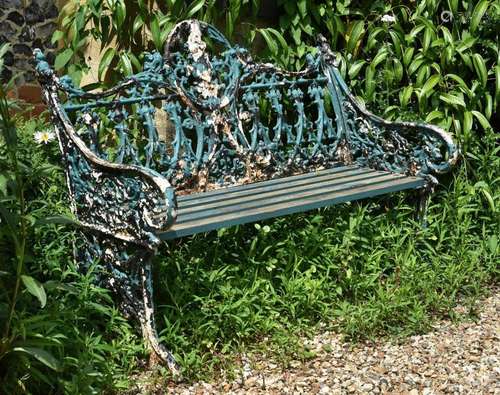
[(400, 147), (128, 202)]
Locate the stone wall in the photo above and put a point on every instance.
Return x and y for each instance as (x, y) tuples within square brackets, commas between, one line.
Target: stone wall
[(26, 24)]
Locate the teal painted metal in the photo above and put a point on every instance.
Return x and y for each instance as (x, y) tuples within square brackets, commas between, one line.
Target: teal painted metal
[(228, 121)]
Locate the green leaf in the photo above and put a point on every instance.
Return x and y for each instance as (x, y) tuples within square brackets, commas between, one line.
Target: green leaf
[(434, 115), (398, 69), (120, 13), (279, 37), (461, 83), (408, 55), (477, 14), (197, 5), (58, 220), (397, 43), (452, 99), (369, 82), (467, 124), (56, 36), (405, 95), (356, 68), (302, 6), (138, 23), (63, 58), (379, 57), (482, 119), (126, 64), (35, 288), (269, 40), (430, 84), (480, 67), (43, 356), (493, 243), (355, 35), (106, 60), (415, 65), (489, 198), (497, 82), (156, 32), (372, 37)]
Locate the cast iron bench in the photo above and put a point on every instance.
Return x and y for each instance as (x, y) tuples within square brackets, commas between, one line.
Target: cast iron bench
[(235, 141)]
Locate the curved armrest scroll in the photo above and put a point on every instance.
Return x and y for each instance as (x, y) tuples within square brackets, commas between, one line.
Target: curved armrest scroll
[(410, 148), (127, 202)]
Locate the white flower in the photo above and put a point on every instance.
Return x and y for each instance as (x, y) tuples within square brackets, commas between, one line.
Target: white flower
[(87, 118), (388, 18), (44, 136)]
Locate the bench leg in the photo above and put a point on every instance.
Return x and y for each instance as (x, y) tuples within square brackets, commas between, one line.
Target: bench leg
[(423, 200), (147, 319), (126, 270), (422, 205)]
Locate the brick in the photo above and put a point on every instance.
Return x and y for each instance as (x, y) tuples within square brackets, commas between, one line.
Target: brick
[(12, 94), (38, 109), (30, 93)]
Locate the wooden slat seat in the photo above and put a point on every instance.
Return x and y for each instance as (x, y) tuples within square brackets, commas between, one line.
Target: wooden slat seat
[(205, 211)]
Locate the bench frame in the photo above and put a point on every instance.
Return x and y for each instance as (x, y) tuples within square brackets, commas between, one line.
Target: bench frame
[(123, 205)]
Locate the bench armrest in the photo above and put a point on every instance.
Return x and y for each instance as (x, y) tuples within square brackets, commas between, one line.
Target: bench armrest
[(410, 148), (128, 202)]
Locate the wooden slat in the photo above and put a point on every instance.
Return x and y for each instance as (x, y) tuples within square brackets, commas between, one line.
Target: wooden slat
[(255, 185), (280, 196), (297, 202), (266, 190)]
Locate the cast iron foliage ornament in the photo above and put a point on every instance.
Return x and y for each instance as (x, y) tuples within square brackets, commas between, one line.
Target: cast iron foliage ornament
[(232, 121)]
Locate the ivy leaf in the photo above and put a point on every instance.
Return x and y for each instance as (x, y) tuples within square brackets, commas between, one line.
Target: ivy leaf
[(35, 288), (63, 58)]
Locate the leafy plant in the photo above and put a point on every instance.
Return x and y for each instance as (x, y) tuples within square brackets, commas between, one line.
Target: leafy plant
[(14, 228), (57, 329), (437, 60), (126, 28)]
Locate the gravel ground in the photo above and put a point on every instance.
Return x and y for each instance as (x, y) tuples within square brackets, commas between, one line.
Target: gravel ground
[(461, 358)]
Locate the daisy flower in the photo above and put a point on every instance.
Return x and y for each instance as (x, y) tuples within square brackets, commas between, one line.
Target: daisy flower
[(44, 136)]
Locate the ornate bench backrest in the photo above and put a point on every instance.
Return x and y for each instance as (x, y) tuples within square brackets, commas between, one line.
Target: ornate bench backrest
[(232, 120)]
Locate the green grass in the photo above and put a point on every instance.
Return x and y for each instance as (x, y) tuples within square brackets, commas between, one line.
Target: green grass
[(363, 269)]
